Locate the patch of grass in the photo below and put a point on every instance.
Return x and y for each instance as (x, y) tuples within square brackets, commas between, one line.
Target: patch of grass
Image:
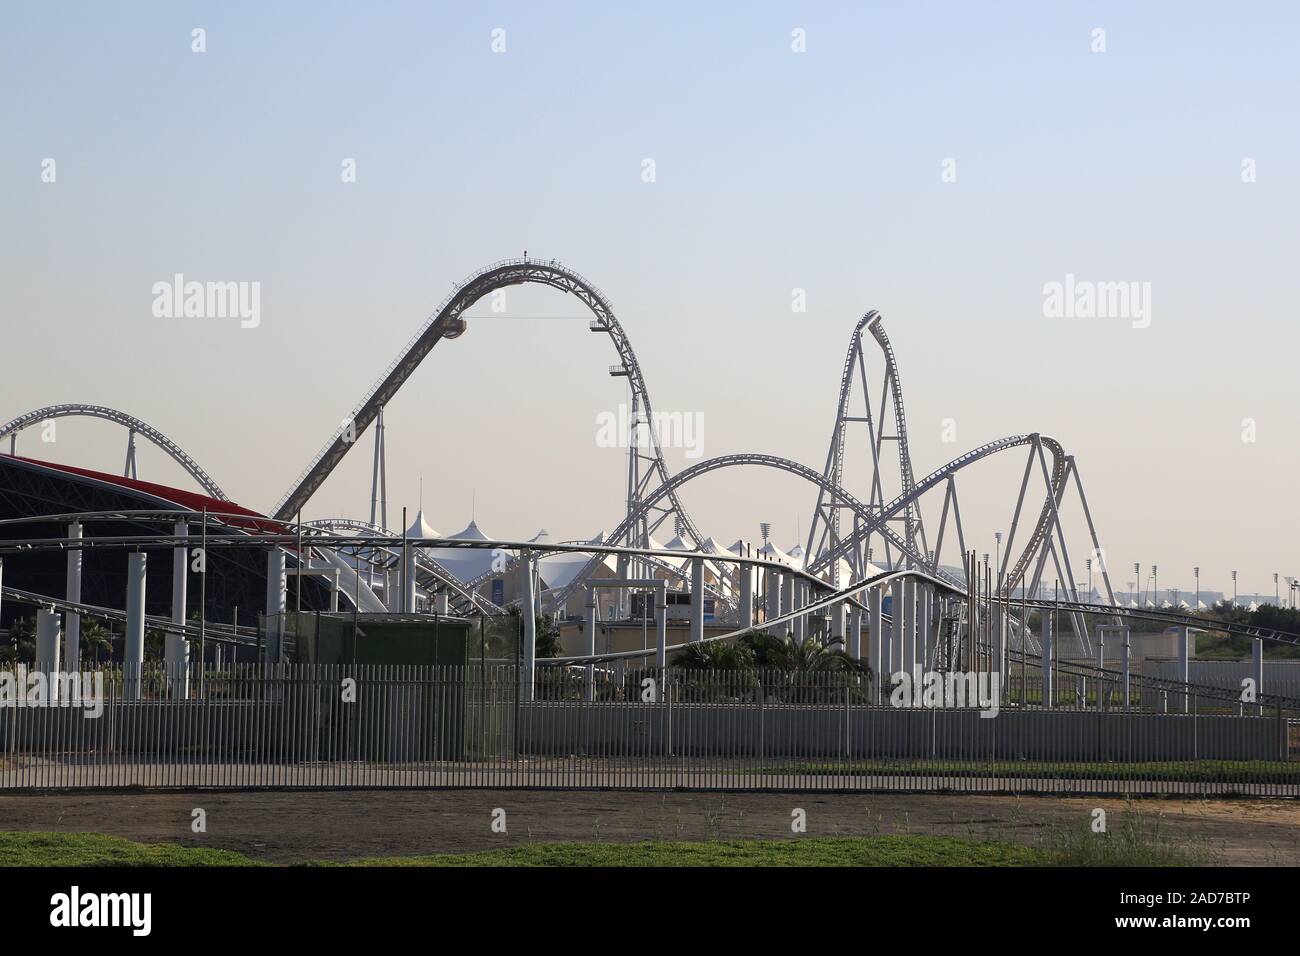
[(1137, 841), (809, 851), (96, 849)]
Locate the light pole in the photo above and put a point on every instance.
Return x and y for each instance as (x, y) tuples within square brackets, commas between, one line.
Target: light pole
[(997, 550), (1155, 583), (1277, 596), (1234, 589), (1137, 582), (1196, 572), (1090, 580)]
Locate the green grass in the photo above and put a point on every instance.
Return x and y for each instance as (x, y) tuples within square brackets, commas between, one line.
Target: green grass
[(808, 851), (1137, 841), (1135, 844), (95, 849)]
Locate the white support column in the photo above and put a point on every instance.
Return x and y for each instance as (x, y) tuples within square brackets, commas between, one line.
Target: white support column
[(746, 595), (1048, 638), (916, 598), (277, 585), (897, 660), (876, 635), (392, 590), (441, 605), (839, 630), (924, 613), (787, 597), (589, 625), (1257, 665), (773, 579), (133, 658), (907, 621), (800, 600), (1126, 658), (72, 623), (47, 649), (528, 611), (622, 563), (334, 591), (1184, 666), (176, 647), (408, 580), (697, 599), (661, 629), (855, 633), (1101, 669), (1000, 642)]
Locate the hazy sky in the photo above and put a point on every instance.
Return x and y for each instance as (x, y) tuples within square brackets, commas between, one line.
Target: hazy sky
[(827, 170)]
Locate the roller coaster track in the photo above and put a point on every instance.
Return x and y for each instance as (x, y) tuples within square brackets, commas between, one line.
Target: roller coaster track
[(135, 425), (212, 631), (874, 519), (826, 514), (448, 322), (825, 551), (653, 564), (911, 517), (466, 594), (1171, 618), (847, 500)]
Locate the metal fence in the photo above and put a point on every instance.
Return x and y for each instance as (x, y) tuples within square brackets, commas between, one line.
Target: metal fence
[(1281, 677), (368, 726)]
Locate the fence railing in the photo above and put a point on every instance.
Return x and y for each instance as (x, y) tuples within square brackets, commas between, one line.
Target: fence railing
[(367, 726)]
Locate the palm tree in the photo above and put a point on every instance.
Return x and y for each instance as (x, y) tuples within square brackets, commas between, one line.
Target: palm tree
[(792, 656), (22, 639), (713, 671), (805, 671), (546, 641), (95, 642), (714, 656)]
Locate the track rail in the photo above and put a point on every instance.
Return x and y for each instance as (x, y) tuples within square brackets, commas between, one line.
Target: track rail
[(448, 322), (76, 410)]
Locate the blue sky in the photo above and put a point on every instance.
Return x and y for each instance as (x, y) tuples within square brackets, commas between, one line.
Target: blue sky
[(775, 171)]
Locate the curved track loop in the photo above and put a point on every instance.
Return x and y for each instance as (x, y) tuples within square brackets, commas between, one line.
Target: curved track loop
[(860, 509), (447, 322), (911, 516), (121, 418), (941, 474), (907, 505), (826, 514)]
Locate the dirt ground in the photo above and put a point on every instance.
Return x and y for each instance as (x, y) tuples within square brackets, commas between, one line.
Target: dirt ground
[(288, 827)]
